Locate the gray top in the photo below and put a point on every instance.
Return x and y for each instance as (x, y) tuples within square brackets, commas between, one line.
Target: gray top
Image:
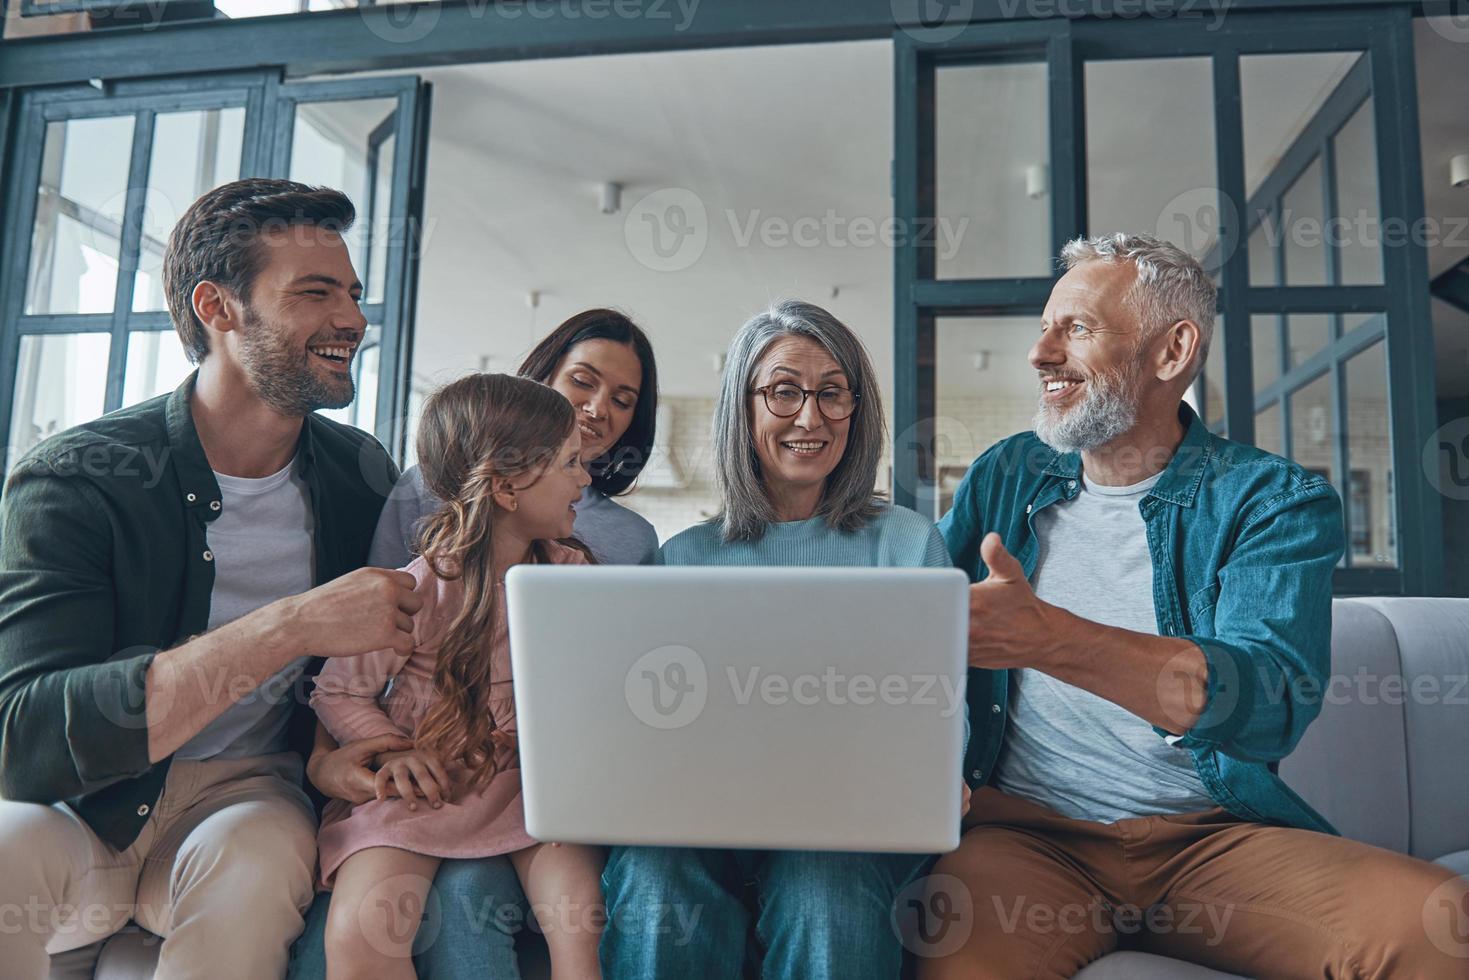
[(261, 547), (615, 535), (1066, 748)]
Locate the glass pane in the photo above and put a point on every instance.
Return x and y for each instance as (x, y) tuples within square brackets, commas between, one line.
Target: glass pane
[(1359, 253), (79, 205), (1268, 430), (382, 195), (330, 148), (60, 381), (1313, 427), (1372, 522), (156, 364), (1302, 213), (1150, 151), (984, 388), (1262, 255), (1209, 389), (992, 196), (1308, 334), (1265, 350), (193, 152), (1281, 96)]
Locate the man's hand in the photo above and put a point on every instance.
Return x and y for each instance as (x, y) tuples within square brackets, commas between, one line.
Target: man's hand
[(1008, 625), (344, 773), (369, 609), (413, 773)]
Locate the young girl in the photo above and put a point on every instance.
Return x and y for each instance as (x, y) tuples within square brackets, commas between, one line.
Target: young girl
[(504, 455)]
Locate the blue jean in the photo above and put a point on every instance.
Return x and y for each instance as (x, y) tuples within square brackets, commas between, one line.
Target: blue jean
[(480, 909), (678, 913)]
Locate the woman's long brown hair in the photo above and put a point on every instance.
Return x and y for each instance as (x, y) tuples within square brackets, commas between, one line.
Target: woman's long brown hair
[(474, 431)]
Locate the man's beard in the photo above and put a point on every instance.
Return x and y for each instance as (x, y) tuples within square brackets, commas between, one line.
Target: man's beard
[(1108, 409), (281, 374)]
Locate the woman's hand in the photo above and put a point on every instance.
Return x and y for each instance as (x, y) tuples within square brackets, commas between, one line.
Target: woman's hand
[(964, 795), (343, 773), (412, 773)]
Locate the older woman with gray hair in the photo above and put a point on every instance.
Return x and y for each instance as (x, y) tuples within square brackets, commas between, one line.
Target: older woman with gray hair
[(798, 432)]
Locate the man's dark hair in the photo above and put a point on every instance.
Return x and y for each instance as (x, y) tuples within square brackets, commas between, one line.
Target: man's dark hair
[(217, 240)]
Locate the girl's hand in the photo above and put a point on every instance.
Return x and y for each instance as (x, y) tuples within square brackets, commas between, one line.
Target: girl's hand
[(343, 773), (410, 774)]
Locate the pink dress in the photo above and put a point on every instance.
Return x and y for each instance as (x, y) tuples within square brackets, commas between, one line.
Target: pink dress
[(351, 702)]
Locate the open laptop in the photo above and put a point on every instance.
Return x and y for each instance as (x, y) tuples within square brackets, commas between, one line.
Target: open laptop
[(802, 708)]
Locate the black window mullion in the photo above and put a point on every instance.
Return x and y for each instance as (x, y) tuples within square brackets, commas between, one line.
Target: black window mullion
[(1234, 273), (1410, 353)]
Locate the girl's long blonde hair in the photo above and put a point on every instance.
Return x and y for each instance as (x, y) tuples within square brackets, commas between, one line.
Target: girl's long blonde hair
[(474, 431)]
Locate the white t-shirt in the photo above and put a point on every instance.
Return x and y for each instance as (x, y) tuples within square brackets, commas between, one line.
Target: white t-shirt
[(263, 550), (1067, 748)]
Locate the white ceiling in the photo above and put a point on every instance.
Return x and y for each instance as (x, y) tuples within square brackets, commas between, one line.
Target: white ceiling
[(778, 134)]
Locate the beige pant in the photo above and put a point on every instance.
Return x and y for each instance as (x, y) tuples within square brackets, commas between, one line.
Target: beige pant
[(1034, 894), (222, 870)]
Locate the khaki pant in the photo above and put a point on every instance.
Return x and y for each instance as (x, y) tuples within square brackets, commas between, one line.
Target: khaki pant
[(222, 870), (1044, 895)]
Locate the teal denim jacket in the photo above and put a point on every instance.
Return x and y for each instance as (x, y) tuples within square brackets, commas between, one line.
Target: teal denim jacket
[(1243, 545)]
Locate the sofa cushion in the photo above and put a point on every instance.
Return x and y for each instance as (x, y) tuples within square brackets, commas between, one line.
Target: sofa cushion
[(1433, 641), (1350, 765), (1458, 862)]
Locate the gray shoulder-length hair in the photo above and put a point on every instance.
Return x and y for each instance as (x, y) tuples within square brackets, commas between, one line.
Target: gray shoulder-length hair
[(849, 501)]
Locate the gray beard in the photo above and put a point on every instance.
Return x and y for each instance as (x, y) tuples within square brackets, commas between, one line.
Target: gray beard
[(280, 374), (1107, 411)]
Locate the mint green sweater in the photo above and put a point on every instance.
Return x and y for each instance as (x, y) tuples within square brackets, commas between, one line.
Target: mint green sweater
[(896, 538)]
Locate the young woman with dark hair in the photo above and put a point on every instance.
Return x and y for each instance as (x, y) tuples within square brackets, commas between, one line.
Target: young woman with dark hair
[(603, 363)]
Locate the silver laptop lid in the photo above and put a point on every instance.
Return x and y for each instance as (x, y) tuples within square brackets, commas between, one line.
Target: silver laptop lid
[(793, 707)]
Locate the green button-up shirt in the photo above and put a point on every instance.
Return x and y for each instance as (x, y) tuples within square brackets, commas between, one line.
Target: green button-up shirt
[(104, 561), (1243, 546)]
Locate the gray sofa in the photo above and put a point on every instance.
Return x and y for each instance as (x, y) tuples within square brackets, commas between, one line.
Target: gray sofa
[(1386, 767)]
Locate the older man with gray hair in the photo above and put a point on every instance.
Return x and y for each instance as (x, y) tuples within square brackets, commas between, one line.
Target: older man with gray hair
[(1150, 629)]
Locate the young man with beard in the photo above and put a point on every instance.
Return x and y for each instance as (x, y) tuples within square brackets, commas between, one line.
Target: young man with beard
[(1150, 628), (168, 574)]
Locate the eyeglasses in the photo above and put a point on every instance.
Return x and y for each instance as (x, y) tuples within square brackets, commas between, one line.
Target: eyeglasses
[(785, 400)]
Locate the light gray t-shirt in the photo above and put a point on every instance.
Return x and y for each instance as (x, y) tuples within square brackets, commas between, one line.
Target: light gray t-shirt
[(615, 535), (262, 545), (1066, 748)]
